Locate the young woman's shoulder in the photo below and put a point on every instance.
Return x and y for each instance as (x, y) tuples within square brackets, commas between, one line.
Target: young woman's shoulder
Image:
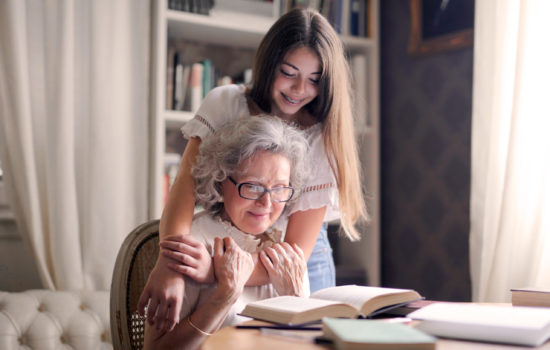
[(225, 93), (221, 105)]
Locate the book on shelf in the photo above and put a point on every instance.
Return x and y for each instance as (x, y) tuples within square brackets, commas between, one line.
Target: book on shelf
[(531, 296), (207, 75), (349, 301), (262, 8), (202, 7), (181, 82), (358, 18), (371, 334), (170, 67), (171, 165), (196, 86), (359, 66), (485, 322)]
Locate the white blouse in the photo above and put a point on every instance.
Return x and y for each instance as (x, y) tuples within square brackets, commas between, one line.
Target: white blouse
[(205, 228), (226, 103)]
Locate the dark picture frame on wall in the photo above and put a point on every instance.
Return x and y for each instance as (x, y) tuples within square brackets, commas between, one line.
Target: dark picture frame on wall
[(440, 25)]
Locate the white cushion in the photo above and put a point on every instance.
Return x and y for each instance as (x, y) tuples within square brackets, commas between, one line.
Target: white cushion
[(43, 319)]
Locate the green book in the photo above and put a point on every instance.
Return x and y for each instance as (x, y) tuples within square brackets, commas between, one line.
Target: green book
[(375, 334), (206, 77)]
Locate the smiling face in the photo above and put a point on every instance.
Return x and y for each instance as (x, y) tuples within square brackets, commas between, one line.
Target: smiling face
[(296, 82), (255, 216)]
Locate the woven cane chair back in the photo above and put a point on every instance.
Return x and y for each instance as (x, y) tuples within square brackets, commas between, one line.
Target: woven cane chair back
[(136, 258)]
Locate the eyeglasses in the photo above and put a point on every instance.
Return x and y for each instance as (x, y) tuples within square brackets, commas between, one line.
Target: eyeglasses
[(252, 191)]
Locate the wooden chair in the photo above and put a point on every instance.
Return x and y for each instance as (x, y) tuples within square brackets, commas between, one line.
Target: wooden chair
[(136, 258)]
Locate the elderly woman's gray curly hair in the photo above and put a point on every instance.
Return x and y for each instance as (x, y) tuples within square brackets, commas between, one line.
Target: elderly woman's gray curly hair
[(220, 155)]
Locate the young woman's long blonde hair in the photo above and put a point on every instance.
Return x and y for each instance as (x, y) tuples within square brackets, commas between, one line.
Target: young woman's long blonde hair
[(332, 106)]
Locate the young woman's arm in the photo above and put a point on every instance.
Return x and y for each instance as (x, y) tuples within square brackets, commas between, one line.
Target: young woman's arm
[(191, 259), (165, 287)]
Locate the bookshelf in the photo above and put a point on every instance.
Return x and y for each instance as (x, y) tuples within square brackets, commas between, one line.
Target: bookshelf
[(226, 29)]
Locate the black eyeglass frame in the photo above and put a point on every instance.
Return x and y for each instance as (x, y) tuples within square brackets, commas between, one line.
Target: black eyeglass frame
[(239, 186)]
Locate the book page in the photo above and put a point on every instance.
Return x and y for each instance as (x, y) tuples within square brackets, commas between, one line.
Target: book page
[(292, 304), (354, 295)]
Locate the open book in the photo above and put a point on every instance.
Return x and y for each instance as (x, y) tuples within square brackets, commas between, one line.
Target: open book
[(343, 301)]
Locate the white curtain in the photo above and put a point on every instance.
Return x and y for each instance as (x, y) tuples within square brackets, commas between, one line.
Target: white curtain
[(510, 198), (73, 124)]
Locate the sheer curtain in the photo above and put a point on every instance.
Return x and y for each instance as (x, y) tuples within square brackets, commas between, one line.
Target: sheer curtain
[(510, 198), (73, 124)]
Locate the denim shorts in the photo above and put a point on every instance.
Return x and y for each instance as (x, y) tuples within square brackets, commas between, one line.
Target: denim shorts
[(320, 265)]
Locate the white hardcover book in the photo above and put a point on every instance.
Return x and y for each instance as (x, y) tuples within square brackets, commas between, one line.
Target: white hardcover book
[(484, 322)]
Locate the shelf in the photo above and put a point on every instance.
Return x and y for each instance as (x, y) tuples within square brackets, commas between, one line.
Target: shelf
[(176, 119), (220, 27), (355, 44), (237, 26), (234, 29)]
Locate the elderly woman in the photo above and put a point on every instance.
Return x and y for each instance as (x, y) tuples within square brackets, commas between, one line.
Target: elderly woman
[(245, 175)]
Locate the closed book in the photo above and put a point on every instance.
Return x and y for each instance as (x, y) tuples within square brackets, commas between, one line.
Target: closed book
[(348, 334), (170, 72), (484, 322), (355, 13), (196, 86), (343, 301), (531, 296), (206, 76)]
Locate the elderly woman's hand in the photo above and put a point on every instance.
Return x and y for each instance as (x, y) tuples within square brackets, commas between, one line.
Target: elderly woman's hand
[(286, 266), (232, 266)]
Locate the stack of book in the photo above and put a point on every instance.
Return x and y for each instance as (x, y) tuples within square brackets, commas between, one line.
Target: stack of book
[(348, 17), (187, 83), (202, 7)]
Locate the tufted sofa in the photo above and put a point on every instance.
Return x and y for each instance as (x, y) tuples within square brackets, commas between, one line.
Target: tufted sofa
[(43, 319)]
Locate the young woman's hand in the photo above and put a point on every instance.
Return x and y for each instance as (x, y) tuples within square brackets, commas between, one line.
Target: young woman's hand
[(286, 267), (189, 257), (232, 267), (165, 289)]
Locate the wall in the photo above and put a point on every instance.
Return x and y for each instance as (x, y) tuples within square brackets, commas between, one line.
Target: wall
[(425, 172), (17, 268)]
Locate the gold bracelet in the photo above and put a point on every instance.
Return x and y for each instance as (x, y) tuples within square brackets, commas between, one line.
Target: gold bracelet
[(197, 328)]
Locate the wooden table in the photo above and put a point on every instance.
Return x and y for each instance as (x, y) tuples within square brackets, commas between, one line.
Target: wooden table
[(251, 339)]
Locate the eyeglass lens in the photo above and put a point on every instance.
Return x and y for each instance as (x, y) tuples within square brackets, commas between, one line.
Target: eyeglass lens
[(252, 191)]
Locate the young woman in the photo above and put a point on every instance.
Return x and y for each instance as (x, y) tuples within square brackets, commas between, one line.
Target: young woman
[(244, 177), (301, 75)]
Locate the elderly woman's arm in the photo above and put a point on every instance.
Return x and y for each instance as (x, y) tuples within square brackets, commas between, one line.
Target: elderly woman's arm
[(232, 267)]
